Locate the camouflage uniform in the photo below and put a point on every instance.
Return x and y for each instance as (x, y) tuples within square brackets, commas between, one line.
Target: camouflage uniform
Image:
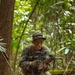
[(24, 63)]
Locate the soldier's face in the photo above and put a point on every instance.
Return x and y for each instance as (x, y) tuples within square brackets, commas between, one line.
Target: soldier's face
[(38, 44)]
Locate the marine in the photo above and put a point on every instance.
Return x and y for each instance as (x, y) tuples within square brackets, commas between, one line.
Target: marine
[(33, 58)]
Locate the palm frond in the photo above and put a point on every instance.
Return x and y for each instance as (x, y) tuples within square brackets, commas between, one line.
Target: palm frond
[(2, 48)]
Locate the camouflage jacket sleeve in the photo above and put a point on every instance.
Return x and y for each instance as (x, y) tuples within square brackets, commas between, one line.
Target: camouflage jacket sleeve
[(23, 63)]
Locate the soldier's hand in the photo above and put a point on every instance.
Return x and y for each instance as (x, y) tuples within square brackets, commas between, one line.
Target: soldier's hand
[(49, 58), (33, 63), (30, 63), (45, 66)]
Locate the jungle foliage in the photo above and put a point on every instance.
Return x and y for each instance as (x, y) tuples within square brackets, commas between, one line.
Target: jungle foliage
[(55, 19)]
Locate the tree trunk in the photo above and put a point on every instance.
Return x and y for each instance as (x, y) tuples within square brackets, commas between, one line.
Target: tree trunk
[(6, 21)]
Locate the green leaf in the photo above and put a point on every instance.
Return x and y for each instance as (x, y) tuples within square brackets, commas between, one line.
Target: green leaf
[(67, 51)]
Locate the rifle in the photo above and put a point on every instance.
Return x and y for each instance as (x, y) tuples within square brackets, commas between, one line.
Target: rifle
[(43, 57), (40, 58)]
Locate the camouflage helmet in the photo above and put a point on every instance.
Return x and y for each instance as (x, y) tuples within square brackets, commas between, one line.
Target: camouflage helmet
[(38, 36)]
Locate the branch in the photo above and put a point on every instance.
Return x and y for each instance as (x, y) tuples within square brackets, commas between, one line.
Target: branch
[(23, 33), (68, 66)]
